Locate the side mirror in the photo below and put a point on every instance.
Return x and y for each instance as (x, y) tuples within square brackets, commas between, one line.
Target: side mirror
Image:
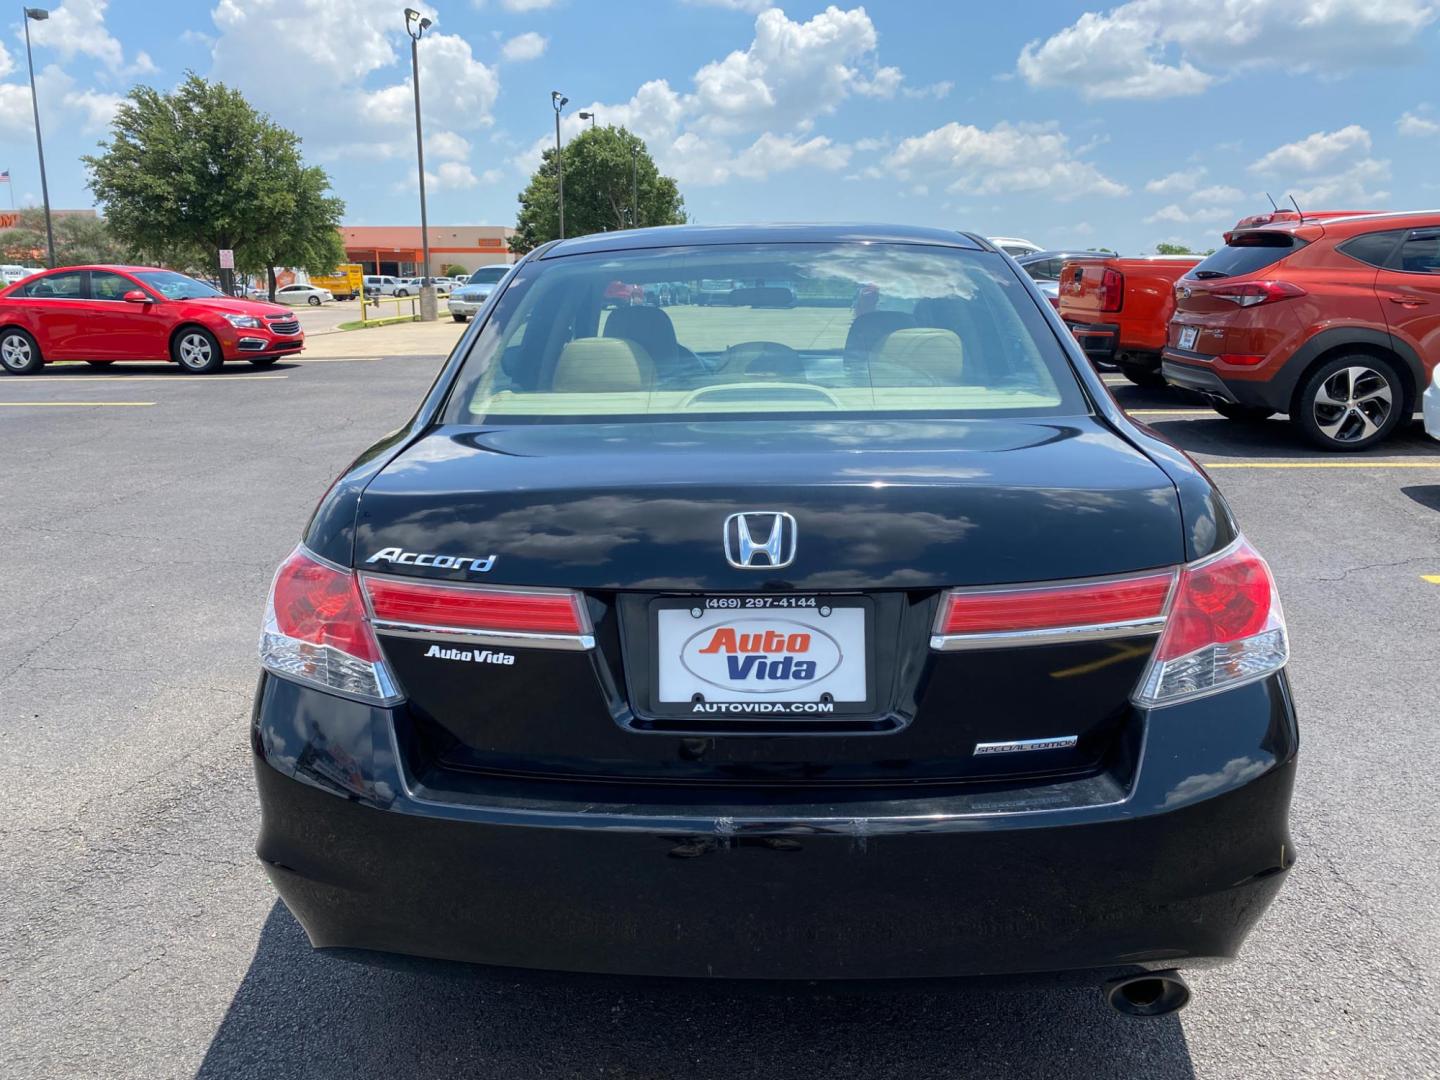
[(135, 296)]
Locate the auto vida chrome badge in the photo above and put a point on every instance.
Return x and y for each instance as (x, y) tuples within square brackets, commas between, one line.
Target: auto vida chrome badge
[(402, 557), (775, 549)]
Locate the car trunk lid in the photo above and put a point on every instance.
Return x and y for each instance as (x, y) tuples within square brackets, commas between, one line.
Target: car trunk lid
[(887, 516)]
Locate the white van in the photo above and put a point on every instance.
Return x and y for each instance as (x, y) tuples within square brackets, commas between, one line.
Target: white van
[(10, 273), (384, 285)]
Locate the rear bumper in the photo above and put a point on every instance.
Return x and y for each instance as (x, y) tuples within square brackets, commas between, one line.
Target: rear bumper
[(1099, 340), (1204, 375), (1172, 871)]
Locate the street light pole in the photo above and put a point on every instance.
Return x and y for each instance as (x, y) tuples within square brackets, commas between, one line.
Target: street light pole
[(416, 26), (588, 116), (40, 15), (634, 185), (559, 101)]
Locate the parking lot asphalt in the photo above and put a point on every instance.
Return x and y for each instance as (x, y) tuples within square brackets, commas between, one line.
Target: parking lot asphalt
[(142, 514)]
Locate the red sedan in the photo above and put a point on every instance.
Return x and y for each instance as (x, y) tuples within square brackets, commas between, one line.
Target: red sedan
[(101, 314)]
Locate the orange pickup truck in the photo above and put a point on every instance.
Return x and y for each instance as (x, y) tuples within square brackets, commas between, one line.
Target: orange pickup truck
[(1119, 309)]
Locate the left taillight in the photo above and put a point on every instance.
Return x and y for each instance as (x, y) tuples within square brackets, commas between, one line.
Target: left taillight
[(1254, 293), (316, 631)]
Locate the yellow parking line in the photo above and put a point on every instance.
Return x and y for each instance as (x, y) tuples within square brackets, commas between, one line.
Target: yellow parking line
[(71, 404), (1433, 579), (1322, 464)]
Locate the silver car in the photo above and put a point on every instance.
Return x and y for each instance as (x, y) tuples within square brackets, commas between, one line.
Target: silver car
[(467, 299)]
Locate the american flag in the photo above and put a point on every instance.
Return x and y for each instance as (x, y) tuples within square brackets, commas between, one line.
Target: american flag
[(5, 177)]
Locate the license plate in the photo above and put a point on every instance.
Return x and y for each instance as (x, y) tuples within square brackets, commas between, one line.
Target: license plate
[(738, 656), (1188, 334)]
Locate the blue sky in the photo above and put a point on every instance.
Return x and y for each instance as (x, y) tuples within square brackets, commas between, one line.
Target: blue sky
[(1066, 123)]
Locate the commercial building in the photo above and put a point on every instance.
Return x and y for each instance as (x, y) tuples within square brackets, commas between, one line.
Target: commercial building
[(397, 250)]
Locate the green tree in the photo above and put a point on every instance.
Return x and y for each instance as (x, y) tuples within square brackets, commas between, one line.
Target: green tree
[(605, 169), (77, 240), (454, 270), (304, 234), (1172, 249), (190, 172)]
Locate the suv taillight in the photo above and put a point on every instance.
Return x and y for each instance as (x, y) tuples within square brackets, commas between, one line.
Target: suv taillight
[(316, 632), (1112, 290), (1251, 293), (1224, 628)]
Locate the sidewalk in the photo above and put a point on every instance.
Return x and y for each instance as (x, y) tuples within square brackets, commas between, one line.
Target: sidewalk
[(399, 339)]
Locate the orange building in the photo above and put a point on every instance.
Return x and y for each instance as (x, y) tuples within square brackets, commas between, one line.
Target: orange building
[(396, 249)]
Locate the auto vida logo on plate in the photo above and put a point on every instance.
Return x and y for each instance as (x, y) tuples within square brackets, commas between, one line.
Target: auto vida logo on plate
[(760, 540), (761, 655)]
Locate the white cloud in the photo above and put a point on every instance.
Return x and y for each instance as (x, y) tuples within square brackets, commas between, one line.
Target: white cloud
[(1131, 45), (936, 90), (527, 5), (792, 72), (96, 109), (77, 28), (1417, 126), (884, 84), (1356, 188), (1176, 182), (446, 146), (1329, 170), (1315, 151), (781, 153), (337, 72), (1169, 48), (7, 64), (62, 104), (527, 46), (1178, 215), (1006, 158), (752, 6), (452, 175), (1217, 193), (752, 112)]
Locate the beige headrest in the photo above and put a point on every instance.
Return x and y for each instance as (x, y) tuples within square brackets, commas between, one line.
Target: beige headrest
[(594, 365), (927, 349)]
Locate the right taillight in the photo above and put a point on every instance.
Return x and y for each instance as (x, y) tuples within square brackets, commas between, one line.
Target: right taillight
[(1112, 290), (1224, 628)]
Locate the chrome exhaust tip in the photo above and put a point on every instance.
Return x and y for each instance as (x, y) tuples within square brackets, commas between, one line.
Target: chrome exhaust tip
[(1151, 993)]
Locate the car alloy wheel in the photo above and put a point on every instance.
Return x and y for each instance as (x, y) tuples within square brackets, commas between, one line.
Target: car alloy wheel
[(314, 301), (197, 352), (18, 353), (1353, 404)]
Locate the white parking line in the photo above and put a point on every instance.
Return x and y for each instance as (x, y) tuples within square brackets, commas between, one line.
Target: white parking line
[(1173, 412), (177, 379), (71, 404), (1392, 464)]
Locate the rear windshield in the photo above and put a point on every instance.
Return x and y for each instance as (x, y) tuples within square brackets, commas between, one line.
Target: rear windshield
[(848, 329), (1246, 253)]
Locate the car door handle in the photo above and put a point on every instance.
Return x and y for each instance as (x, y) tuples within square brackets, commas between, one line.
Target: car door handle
[(1407, 301)]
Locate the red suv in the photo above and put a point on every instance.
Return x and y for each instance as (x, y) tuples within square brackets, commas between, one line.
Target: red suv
[(1335, 322), (106, 313)]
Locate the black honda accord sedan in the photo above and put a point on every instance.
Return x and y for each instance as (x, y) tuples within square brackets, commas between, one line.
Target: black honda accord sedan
[(840, 627)]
